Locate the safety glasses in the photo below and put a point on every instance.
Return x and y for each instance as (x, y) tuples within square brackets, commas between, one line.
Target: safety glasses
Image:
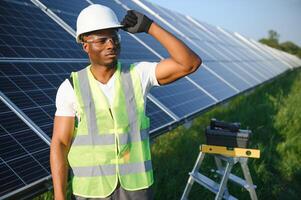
[(102, 40)]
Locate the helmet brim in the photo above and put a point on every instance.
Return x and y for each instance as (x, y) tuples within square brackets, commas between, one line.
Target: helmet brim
[(110, 27)]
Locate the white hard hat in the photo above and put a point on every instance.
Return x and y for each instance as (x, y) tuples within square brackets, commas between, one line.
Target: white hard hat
[(95, 17)]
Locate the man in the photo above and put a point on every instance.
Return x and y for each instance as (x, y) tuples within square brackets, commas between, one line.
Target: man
[(107, 144)]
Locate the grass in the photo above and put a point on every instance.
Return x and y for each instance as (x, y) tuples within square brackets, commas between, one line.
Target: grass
[(272, 112)]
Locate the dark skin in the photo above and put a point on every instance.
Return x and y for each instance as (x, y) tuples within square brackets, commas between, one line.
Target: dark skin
[(103, 58)]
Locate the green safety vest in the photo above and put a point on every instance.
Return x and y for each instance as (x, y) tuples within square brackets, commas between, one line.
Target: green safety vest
[(110, 144)]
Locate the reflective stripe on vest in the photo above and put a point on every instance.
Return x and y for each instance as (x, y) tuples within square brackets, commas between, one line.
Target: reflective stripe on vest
[(107, 139), (98, 155), (111, 169)]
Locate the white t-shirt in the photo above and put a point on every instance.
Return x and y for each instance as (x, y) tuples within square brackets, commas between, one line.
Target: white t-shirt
[(66, 101)]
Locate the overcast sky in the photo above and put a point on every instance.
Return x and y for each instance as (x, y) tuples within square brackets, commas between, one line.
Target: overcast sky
[(251, 18)]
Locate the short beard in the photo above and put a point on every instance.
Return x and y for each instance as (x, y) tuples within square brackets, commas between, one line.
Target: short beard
[(113, 64)]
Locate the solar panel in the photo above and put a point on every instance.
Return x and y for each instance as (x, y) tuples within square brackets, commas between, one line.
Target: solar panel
[(158, 118), (182, 98), (253, 70), (238, 50), (66, 10), (216, 87), (25, 31), (233, 55), (266, 62), (24, 156), (263, 51), (262, 70), (229, 74)]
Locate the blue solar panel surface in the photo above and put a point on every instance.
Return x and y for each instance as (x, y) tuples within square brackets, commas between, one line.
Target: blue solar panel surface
[(24, 156), (229, 74), (26, 32), (215, 86), (182, 98), (158, 118), (67, 10)]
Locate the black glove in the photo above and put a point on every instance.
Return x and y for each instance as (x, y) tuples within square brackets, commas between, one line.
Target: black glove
[(135, 22)]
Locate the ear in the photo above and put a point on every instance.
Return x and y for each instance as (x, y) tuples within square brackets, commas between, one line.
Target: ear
[(86, 47)]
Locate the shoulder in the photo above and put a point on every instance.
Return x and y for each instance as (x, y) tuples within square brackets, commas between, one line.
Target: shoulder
[(65, 92), (66, 86), (65, 100), (146, 70), (147, 73), (144, 66)]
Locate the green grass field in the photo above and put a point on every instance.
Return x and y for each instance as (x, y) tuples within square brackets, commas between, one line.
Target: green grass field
[(272, 112)]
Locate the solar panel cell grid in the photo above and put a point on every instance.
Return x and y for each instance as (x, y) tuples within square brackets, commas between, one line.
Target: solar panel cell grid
[(10, 148), (243, 72), (229, 75), (9, 179), (28, 169), (253, 70), (182, 97), (211, 84), (158, 118), (67, 10), (262, 69), (42, 157), (21, 151), (213, 43), (31, 33)]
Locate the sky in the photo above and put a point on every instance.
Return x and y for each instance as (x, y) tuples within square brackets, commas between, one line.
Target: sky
[(251, 18)]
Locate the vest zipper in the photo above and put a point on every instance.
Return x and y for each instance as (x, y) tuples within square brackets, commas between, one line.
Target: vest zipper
[(116, 137), (111, 113), (117, 151)]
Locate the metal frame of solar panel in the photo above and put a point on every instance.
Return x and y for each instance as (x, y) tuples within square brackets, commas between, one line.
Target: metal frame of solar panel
[(38, 52)]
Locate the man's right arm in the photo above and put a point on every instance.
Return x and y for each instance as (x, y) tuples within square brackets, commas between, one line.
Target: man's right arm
[(60, 144)]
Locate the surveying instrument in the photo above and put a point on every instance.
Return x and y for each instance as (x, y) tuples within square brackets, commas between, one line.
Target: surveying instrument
[(228, 144)]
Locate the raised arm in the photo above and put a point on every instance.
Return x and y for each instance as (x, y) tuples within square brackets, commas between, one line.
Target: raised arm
[(182, 61), (60, 144)]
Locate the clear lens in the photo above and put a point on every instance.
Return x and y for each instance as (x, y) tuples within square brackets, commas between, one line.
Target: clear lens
[(104, 39)]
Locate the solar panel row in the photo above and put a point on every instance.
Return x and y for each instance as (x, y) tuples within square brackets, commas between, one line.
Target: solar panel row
[(37, 54)]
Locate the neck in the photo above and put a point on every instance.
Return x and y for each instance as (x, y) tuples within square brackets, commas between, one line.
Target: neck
[(102, 73)]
